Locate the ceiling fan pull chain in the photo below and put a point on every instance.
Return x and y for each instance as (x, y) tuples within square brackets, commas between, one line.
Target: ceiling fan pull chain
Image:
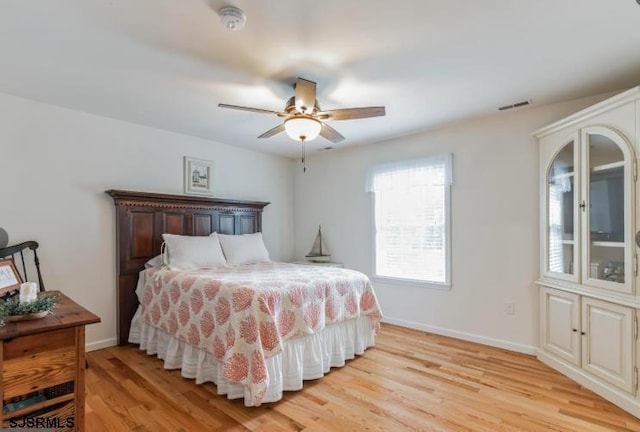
[(304, 162)]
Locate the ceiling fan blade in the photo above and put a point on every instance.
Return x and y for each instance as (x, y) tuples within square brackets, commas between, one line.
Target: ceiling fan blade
[(241, 108), (271, 132), (351, 113), (305, 95), (331, 134)]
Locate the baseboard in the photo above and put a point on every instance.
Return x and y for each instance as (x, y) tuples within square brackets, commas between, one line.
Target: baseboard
[(498, 343), (612, 394), (106, 343)]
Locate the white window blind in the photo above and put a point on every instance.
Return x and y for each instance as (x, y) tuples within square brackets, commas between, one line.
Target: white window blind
[(411, 205)]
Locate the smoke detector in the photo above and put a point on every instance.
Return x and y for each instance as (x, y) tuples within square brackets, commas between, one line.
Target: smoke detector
[(232, 17)]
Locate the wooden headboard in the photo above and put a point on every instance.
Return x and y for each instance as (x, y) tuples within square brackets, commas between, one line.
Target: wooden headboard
[(142, 218)]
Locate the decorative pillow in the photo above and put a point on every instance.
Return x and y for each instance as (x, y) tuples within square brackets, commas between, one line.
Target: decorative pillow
[(189, 253), (244, 249)]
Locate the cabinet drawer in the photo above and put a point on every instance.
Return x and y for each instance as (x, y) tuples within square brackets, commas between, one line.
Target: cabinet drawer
[(39, 370)]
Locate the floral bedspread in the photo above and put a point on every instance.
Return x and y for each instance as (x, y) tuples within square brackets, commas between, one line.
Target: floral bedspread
[(242, 315)]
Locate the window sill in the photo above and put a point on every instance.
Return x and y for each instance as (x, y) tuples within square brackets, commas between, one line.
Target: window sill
[(411, 283)]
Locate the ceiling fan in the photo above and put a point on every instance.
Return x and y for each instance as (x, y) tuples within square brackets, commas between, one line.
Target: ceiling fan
[(303, 118)]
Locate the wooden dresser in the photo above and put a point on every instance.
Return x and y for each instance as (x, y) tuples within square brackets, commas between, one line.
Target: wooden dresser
[(43, 364)]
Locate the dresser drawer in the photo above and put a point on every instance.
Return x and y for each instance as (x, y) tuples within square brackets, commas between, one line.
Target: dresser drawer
[(27, 346), (38, 361)]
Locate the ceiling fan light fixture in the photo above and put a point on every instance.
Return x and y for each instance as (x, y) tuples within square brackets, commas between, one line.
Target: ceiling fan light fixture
[(302, 128)]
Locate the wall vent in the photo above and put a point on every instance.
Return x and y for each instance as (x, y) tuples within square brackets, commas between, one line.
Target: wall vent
[(516, 105)]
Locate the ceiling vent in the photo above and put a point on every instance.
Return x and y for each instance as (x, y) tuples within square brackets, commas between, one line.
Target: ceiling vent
[(517, 104)]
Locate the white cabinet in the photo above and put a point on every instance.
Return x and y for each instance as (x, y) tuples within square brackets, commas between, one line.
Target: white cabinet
[(589, 295), (607, 348), (560, 319), (592, 334)]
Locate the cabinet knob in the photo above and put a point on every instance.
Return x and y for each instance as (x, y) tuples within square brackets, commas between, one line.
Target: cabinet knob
[(575, 330), (583, 333)]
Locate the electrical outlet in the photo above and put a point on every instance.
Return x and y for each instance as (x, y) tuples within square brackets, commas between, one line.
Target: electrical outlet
[(510, 308)]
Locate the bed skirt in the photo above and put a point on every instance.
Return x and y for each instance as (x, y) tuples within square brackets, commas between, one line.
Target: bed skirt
[(301, 359)]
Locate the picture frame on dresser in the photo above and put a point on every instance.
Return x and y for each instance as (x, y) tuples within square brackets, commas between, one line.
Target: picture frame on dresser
[(10, 278), (198, 176)]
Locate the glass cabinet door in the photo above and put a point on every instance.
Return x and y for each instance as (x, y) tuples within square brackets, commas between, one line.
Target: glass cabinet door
[(561, 215), (606, 212)]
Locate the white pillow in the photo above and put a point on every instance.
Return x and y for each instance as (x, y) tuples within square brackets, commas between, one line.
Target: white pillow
[(156, 261), (244, 249), (188, 252)]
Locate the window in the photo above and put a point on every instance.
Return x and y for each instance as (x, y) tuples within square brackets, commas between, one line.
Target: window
[(411, 203)]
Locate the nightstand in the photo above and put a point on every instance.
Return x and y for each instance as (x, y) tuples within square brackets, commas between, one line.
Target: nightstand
[(324, 264), (43, 365)]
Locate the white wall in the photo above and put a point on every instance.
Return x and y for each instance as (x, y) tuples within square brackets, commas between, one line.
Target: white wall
[(53, 160), (494, 223)]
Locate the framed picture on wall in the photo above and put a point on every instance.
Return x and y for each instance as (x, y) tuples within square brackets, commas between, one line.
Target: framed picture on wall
[(10, 279), (198, 176)]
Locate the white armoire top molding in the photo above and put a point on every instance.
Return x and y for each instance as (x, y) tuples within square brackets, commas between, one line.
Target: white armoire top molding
[(587, 113)]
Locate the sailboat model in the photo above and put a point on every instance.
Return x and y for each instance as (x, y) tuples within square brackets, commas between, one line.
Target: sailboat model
[(318, 252)]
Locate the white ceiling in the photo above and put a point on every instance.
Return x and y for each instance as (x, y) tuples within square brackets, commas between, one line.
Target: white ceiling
[(168, 63)]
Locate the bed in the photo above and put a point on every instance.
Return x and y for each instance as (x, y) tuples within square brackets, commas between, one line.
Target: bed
[(254, 330)]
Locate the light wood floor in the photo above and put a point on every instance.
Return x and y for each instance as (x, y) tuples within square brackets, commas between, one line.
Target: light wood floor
[(410, 381)]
